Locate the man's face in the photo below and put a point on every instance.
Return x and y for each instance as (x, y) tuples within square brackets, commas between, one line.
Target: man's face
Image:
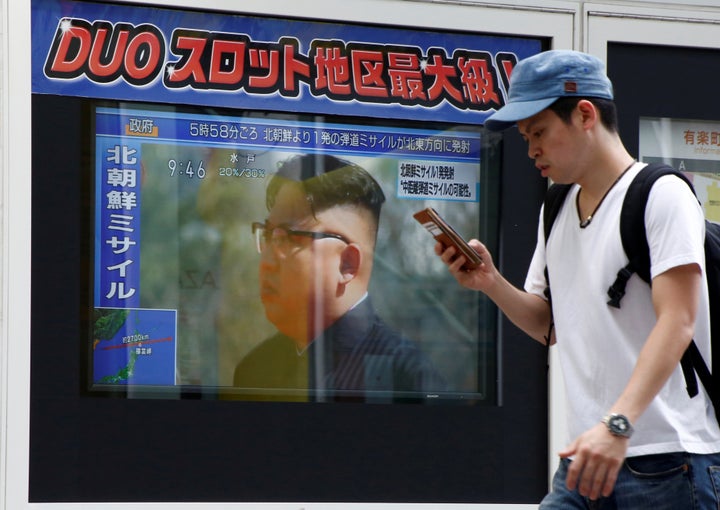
[(556, 146), (299, 275)]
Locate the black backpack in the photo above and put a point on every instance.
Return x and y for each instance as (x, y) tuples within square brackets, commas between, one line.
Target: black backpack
[(634, 240)]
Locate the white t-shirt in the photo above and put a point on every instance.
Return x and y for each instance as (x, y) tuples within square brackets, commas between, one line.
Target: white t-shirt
[(597, 344)]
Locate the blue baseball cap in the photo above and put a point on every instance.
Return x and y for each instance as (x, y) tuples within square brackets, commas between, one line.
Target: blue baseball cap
[(538, 81)]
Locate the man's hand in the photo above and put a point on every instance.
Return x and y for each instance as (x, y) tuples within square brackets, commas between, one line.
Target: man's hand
[(481, 278), (599, 455), (529, 312)]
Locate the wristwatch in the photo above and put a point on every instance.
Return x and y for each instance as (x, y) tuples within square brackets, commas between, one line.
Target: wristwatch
[(618, 425)]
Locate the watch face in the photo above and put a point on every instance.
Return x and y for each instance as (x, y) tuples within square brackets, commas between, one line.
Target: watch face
[(619, 425)]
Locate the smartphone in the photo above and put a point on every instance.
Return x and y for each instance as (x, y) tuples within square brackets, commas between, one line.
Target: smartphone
[(445, 234)]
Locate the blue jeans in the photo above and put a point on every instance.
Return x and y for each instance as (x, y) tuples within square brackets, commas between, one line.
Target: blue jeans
[(671, 481)]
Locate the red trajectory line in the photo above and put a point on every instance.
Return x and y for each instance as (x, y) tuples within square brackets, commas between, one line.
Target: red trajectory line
[(138, 343)]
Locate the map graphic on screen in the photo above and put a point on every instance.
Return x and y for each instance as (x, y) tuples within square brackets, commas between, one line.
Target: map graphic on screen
[(134, 346)]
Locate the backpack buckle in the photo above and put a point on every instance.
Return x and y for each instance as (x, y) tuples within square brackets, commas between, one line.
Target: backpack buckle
[(617, 289)]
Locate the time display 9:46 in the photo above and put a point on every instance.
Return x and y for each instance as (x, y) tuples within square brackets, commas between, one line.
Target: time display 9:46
[(187, 168)]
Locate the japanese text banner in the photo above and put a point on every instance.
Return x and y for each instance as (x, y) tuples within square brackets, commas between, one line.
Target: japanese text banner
[(238, 61)]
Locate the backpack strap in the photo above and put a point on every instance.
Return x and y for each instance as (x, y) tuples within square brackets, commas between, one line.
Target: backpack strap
[(554, 200), (632, 228), (634, 241), (693, 363)]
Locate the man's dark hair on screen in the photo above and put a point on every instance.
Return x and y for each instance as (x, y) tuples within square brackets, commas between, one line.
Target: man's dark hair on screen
[(328, 182)]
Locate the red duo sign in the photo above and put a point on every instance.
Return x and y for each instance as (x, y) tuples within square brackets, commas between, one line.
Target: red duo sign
[(202, 60)]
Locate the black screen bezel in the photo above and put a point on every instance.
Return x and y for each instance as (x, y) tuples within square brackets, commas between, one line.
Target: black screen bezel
[(86, 449)]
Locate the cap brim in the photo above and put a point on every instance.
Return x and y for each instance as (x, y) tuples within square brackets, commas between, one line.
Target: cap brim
[(509, 114)]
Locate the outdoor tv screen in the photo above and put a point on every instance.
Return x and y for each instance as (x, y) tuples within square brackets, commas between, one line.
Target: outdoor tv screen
[(186, 220)]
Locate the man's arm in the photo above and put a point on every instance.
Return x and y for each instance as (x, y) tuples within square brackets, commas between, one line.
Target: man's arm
[(527, 311), (599, 454)]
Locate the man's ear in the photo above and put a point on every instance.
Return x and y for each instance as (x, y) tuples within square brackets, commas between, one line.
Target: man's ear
[(350, 260), (588, 113)]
